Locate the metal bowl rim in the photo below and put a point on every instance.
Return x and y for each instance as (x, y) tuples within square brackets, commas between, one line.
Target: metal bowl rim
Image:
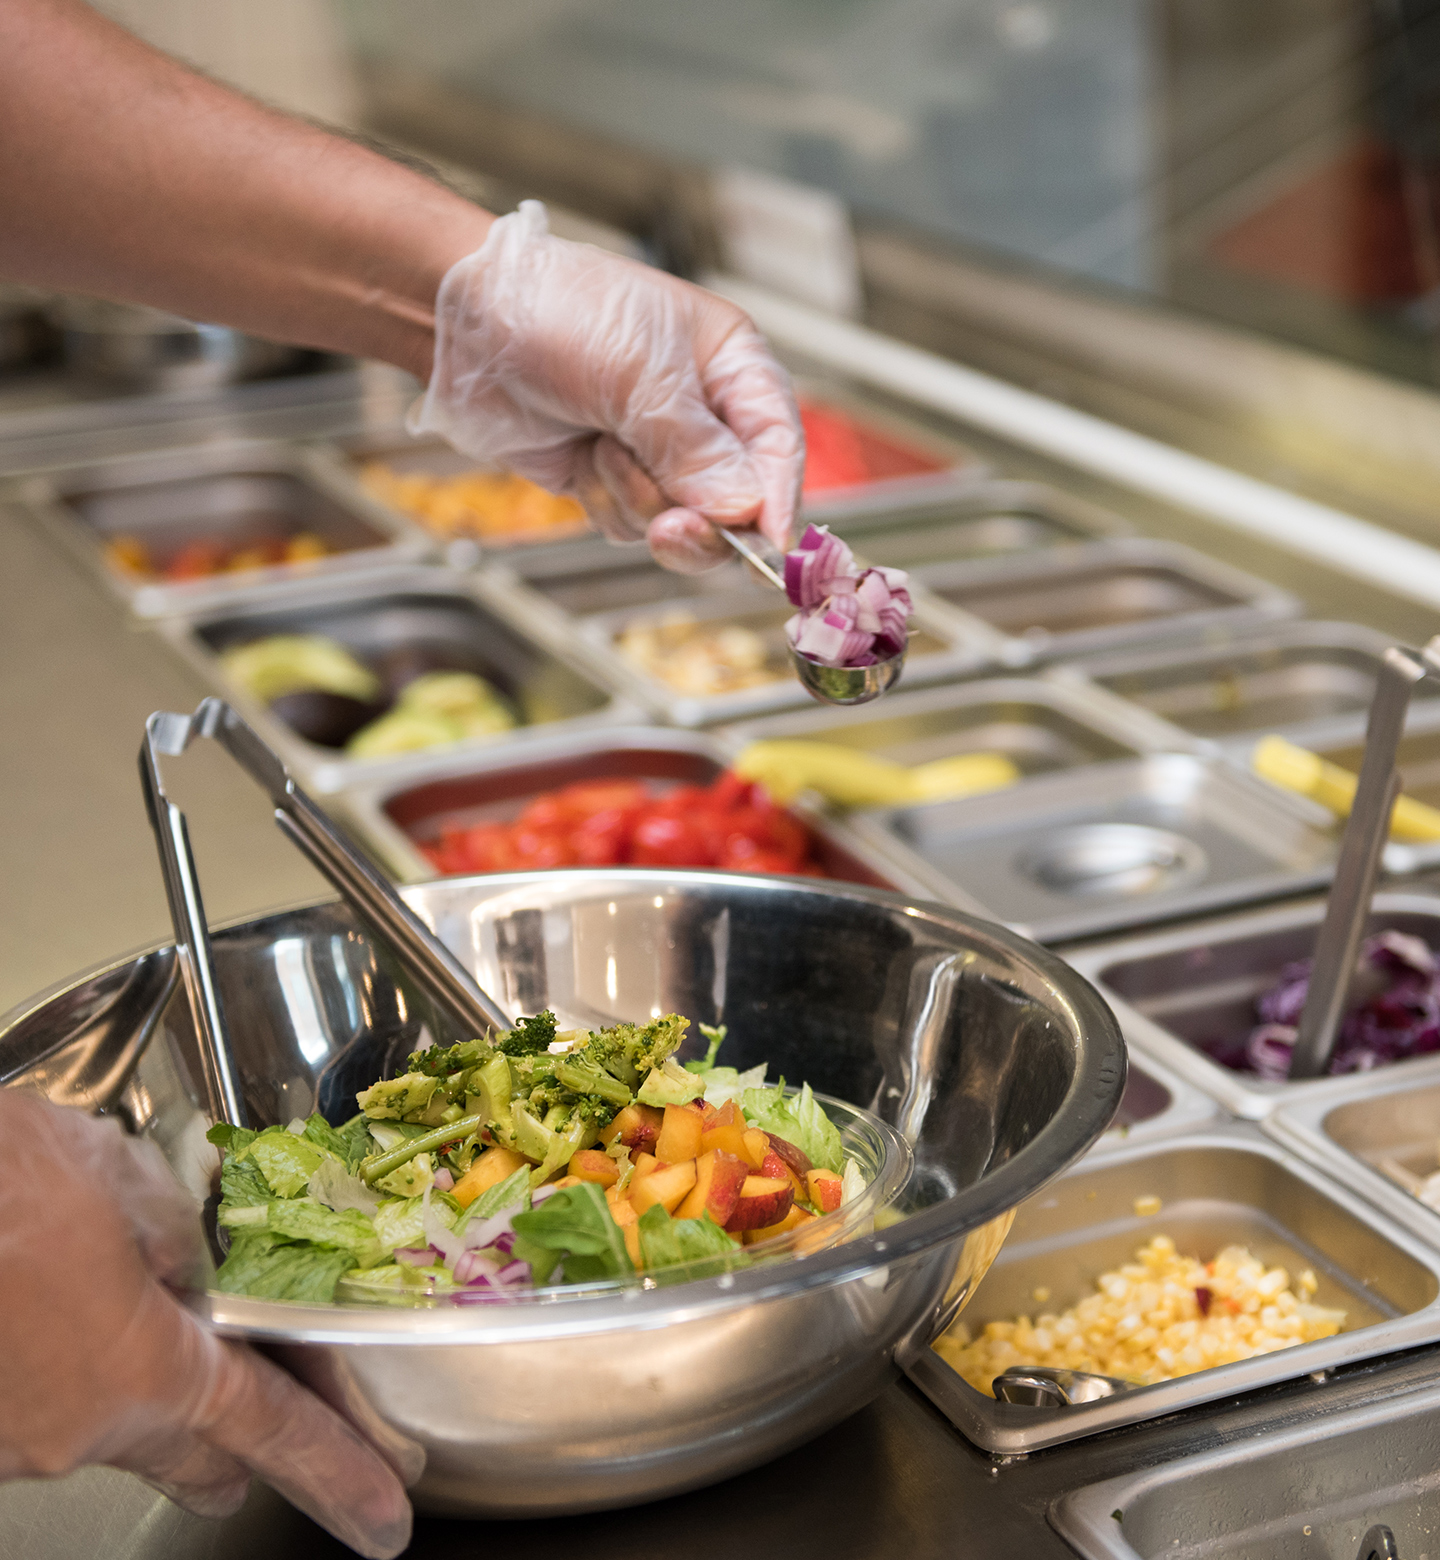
[(1090, 1101)]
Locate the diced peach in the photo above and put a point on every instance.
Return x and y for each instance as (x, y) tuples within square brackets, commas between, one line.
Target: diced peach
[(566, 1180), (680, 1136), (719, 1178), (708, 1113), (792, 1221), (776, 1168), (621, 1207), (631, 1232), (796, 1158), (644, 1163), (488, 1169), (726, 1136), (667, 1186), (755, 1146), (593, 1164), (824, 1189), (636, 1126), (763, 1201)]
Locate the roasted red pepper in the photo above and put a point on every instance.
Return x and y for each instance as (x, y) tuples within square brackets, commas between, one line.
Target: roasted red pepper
[(600, 823)]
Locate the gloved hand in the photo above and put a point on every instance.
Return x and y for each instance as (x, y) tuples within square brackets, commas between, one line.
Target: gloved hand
[(654, 403), (103, 1365)]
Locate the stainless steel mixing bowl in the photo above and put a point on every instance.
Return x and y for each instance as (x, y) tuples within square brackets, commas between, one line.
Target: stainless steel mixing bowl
[(997, 1062)]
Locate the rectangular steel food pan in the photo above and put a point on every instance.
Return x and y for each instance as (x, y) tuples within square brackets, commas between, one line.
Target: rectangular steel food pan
[(1080, 600), (943, 644), (1306, 681), (474, 624), (1385, 1115), (572, 547), (395, 816), (1188, 984), (1310, 1488), (237, 493), (1158, 1104), (628, 578), (985, 520), (1089, 850), (1223, 1187)]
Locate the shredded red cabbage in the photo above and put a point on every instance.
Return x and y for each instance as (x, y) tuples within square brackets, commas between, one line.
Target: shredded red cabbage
[(1397, 1017), (848, 616)]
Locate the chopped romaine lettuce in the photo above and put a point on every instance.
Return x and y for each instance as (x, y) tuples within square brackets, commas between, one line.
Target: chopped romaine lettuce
[(402, 1224), (670, 1084), (799, 1120), (298, 1218), (270, 1267), (287, 1162), (852, 1182), (349, 1143), (333, 1185)]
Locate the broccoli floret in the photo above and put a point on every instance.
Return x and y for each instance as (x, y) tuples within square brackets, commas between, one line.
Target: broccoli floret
[(441, 1061), (530, 1037)]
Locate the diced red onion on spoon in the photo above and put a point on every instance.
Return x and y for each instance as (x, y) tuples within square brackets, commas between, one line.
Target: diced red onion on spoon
[(848, 617)]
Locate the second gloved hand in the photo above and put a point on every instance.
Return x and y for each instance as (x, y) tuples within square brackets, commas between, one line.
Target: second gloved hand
[(653, 402), (104, 1365)]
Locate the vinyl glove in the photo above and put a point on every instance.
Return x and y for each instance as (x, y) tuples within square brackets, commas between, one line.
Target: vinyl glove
[(104, 1365), (653, 402)]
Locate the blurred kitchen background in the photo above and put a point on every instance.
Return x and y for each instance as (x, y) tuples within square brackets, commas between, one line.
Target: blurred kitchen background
[(1211, 219)]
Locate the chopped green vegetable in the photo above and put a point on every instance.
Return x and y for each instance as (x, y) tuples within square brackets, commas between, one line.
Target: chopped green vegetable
[(575, 1226), (670, 1084), (667, 1242), (298, 1218), (512, 1192), (393, 1098), (799, 1120), (271, 1267), (529, 1037), (287, 1162), (292, 663), (349, 1143), (716, 1037), (402, 1224)]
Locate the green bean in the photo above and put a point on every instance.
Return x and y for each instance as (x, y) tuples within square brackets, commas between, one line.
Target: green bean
[(452, 1132)]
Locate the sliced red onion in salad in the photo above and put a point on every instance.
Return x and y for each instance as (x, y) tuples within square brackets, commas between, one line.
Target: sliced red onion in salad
[(1395, 1013), (849, 616)]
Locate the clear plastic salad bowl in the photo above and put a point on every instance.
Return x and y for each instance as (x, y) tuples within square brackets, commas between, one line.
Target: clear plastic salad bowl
[(991, 1059)]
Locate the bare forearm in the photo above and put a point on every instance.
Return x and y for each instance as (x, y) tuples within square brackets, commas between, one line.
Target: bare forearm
[(124, 175)]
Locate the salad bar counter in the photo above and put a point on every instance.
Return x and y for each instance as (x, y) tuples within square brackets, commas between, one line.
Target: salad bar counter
[(913, 1266)]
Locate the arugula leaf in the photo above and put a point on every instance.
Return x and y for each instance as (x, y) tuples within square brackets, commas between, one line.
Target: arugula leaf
[(574, 1225), (270, 1267), (513, 1191), (798, 1119), (298, 1218), (667, 1242)]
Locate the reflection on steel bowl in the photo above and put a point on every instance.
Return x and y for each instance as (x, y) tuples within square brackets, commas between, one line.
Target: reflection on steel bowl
[(140, 348), (992, 1058)]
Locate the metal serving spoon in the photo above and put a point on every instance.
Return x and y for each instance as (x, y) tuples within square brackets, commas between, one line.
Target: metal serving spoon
[(1043, 1386), (829, 684)]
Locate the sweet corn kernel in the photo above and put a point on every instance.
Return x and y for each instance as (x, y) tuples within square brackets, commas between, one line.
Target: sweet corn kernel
[(1145, 1322)]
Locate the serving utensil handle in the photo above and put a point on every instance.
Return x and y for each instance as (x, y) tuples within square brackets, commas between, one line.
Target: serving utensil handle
[(370, 894), (1338, 946)]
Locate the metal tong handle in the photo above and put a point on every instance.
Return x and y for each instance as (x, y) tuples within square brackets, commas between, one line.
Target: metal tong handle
[(1338, 945), (372, 897)]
